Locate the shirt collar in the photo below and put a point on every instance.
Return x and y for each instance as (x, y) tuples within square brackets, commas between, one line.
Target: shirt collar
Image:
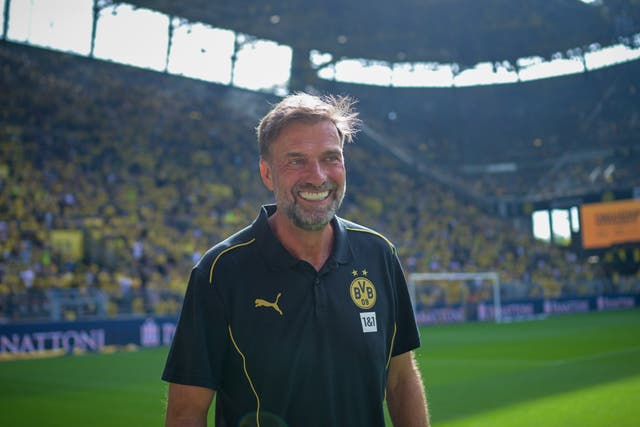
[(276, 254)]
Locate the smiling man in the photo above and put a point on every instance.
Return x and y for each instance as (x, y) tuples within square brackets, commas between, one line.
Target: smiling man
[(302, 318)]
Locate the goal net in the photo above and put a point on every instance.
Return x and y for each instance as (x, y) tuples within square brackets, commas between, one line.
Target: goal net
[(455, 297)]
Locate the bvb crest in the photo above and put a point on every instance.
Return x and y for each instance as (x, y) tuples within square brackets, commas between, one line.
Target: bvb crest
[(362, 291)]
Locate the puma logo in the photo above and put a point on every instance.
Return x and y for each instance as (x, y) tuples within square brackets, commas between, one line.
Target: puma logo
[(264, 303)]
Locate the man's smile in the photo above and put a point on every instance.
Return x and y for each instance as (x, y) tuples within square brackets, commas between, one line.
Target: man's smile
[(313, 195)]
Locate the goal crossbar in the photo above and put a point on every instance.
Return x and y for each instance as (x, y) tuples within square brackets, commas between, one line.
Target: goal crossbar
[(483, 275)]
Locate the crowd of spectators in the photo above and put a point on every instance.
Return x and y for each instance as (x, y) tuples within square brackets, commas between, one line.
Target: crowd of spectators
[(147, 170)]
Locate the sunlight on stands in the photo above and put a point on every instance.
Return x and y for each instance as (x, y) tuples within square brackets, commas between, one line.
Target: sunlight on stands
[(486, 73), (195, 47), (66, 27), (612, 55), (118, 36), (196, 50), (262, 65), (537, 68), (427, 74)]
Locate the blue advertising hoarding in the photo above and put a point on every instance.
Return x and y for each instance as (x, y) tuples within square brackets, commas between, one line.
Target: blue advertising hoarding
[(153, 331), (94, 335)]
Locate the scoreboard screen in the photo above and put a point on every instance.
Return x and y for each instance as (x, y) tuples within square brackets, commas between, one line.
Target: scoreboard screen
[(610, 223)]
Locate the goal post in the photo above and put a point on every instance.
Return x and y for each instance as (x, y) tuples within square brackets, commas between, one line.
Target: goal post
[(416, 280)]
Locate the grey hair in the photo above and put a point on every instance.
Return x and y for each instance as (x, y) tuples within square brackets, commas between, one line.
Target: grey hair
[(304, 108)]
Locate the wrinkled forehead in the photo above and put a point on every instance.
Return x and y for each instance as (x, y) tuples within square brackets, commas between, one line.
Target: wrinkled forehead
[(304, 128), (320, 133)]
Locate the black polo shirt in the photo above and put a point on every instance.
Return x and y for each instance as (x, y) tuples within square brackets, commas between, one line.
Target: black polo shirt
[(283, 344)]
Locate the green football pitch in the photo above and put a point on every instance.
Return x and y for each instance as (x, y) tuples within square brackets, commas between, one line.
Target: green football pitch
[(572, 370)]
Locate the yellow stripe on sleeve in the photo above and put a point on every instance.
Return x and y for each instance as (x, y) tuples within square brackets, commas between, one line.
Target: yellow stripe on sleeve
[(224, 252)]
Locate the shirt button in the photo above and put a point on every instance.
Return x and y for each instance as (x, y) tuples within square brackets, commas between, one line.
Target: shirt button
[(317, 281)]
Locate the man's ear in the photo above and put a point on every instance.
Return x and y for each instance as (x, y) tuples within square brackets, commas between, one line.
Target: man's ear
[(265, 174)]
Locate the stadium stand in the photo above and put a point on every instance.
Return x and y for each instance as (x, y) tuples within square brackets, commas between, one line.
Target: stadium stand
[(148, 170), (583, 139)]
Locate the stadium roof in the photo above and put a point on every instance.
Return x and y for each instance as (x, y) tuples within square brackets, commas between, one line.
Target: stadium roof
[(445, 31)]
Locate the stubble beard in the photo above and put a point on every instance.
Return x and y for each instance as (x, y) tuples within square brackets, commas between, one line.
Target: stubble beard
[(313, 219)]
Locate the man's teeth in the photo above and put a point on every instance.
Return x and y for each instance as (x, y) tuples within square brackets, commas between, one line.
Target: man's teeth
[(314, 196)]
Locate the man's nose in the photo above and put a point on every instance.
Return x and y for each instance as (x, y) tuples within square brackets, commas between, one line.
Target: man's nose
[(316, 173)]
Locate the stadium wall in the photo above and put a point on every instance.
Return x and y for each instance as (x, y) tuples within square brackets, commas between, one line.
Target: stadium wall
[(69, 337), (524, 309), (72, 337)]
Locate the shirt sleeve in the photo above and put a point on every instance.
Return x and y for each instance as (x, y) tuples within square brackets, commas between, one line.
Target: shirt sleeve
[(407, 334), (201, 337)]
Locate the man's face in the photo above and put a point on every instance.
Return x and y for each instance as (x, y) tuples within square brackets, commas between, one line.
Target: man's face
[(305, 170)]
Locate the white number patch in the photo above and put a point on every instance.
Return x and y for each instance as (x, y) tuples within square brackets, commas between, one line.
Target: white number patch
[(369, 323)]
